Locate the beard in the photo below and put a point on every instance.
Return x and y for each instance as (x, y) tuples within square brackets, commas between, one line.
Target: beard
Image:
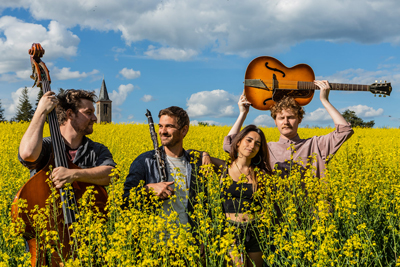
[(82, 129)]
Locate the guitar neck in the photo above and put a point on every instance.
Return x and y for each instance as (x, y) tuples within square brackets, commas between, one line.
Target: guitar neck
[(335, 86)]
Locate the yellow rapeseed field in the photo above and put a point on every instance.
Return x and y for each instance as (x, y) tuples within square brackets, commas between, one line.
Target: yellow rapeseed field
[(352, 219)]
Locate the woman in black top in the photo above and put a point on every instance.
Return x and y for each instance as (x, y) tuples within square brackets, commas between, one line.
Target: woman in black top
[(248, 152)]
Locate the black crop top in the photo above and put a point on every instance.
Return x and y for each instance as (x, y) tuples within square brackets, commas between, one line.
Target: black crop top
[(237, 197)]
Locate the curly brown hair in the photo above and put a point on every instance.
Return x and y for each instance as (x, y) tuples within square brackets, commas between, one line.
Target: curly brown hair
[(71, 99), (180, 114), (287, 102)]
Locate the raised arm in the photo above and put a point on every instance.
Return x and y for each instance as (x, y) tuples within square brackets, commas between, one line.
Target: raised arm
[(31, 143), (244, 107), (324, 97)]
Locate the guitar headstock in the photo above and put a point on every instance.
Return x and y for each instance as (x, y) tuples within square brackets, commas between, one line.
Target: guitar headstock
[(383, 88), (40, 72)]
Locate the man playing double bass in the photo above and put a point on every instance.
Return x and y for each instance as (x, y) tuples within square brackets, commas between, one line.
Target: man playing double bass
[(76, 116)]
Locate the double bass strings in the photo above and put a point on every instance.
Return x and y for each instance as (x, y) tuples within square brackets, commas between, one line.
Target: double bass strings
[(68, 199)]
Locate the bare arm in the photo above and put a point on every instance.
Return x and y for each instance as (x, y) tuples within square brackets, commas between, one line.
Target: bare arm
[(324, 97), (31, 143), (244, 107), (218, 163), (98, 175)]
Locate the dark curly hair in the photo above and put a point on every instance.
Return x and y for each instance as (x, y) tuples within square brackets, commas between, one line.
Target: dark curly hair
[(287, 102), (71, 99), (180, 114)]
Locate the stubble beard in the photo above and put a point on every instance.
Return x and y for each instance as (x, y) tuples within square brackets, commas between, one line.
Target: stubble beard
[(82, 130)]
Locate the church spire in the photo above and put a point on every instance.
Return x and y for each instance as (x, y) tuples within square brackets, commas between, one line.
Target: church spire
[(103, 92), (103, 105)]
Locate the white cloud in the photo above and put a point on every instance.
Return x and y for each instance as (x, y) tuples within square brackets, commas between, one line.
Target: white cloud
[(170, 53), (321, 116), (66, 74), (130, 73), (19, 36), (147, 98), (227, 26), (216, 103), (118, 97), (264, 120), (318, 115), (365, 111)]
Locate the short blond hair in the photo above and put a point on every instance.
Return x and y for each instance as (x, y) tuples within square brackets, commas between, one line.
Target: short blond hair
[(287, 102)]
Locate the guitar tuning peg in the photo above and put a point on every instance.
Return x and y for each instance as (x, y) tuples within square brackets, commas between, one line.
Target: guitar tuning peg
[(384, 95), (374, 95), (380, 95), (376, 81), (384, 81)]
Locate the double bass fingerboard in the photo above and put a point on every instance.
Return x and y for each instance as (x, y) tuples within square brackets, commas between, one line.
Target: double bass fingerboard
[(60, 158)]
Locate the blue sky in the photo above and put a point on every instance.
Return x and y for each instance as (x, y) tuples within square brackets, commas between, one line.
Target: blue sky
[(194, 54)]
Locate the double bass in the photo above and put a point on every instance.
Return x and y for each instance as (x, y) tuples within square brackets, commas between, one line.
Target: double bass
[(267, 80), (62, 206)]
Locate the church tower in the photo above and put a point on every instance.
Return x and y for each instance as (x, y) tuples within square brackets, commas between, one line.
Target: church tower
[(103, 105)]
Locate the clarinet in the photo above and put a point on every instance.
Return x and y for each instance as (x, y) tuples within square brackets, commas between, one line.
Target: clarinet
[(158, 154)]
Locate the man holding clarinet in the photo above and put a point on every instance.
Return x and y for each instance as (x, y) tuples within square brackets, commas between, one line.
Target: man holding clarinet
[(168, 170)]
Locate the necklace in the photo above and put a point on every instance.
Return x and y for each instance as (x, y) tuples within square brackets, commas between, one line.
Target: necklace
[(247, 175)]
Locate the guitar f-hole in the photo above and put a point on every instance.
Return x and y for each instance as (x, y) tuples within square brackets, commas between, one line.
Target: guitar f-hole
[(274, 69)]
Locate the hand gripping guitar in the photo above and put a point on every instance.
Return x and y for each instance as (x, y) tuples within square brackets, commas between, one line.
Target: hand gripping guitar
[(158, 155)]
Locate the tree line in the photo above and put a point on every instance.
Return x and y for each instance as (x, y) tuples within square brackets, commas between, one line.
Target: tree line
[(25, 112), (25, 109)]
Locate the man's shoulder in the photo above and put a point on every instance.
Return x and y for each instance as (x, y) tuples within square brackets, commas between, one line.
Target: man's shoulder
[(144, 160), (145, 155), (95, 145)]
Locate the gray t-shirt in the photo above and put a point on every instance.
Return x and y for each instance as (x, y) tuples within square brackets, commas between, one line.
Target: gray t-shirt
[(177, 172), (176, 168)]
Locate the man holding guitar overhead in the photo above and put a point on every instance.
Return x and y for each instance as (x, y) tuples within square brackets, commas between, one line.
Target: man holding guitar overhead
[(76, 116), (288, 114)]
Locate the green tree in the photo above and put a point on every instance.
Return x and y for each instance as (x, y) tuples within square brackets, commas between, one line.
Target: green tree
[(24, 110), (203, 123), (350, 116), (2, 118)]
